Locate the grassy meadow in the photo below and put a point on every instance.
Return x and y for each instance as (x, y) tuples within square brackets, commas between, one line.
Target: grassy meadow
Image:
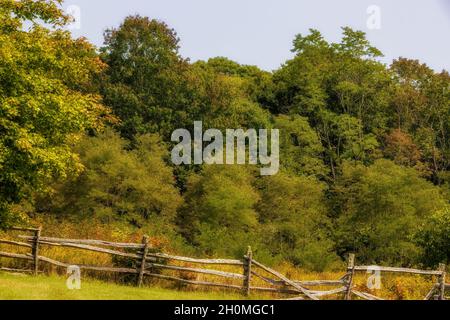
[(25, 287), (53, 287), (102, 285)]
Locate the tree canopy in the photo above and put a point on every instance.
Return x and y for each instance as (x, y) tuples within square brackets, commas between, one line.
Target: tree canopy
[(47, 98), (364, 146)]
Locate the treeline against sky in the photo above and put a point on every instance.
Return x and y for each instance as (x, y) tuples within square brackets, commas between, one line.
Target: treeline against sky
[(364, 147)]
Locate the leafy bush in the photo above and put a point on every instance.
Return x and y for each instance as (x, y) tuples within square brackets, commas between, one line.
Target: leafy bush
[(379, 209), (219, 215), (117, 184), (294, 224)]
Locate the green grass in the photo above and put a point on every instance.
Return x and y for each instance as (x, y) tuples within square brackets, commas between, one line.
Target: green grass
[(25, 287)]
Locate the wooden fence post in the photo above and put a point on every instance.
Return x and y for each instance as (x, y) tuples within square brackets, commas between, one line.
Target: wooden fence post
[(143, 261), (35, 250), (442, 282), (248, 271), (350, 274)]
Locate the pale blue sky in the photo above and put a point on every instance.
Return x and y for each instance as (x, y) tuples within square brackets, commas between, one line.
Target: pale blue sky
[(260, 32)]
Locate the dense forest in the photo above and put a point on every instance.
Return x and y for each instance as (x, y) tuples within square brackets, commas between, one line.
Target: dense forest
[(85, 137)]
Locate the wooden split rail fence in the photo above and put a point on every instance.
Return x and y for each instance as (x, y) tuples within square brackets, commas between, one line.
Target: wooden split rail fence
[(148, 263)]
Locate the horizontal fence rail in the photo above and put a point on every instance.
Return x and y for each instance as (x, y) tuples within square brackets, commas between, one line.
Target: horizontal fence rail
[(88, 241), (147, 264), (398, 270)]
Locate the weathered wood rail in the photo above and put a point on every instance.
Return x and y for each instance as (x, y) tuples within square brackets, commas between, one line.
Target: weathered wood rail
[(150, 264)]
